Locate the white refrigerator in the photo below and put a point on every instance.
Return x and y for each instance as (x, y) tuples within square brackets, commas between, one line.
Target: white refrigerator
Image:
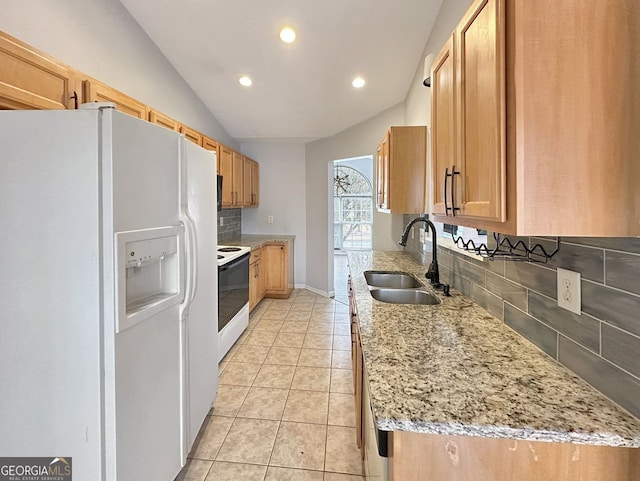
[(105, 282)]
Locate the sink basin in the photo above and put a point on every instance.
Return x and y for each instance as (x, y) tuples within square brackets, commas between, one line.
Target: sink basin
[(404, 296), (392, 279)]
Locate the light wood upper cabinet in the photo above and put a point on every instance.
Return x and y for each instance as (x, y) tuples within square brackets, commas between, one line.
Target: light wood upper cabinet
[(442, 126), (192, 135), (30, 79), (251, 182), (546, 137), (382, 173), (165, 121), (468, 118), (231, 170), (95, 91), (238, 178), (400, 170), (225, 160)]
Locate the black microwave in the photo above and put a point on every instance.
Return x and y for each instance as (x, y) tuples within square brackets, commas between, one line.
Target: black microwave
[(219, 191)]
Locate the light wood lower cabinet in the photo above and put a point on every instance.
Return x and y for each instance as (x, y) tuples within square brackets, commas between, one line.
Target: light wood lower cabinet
[(424, 457), (256, 278), (278, 259), (463, 458), (30, 79), (270, 272)]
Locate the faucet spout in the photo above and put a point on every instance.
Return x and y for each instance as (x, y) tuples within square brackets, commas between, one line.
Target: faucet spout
[(433, 273)]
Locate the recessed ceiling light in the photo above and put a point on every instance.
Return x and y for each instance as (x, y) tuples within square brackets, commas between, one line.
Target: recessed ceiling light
[(358, 82), (245, 81), (287, 34)]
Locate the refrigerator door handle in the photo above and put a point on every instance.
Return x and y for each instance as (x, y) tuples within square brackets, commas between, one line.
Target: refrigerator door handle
[(184, 306), (191, 249), (194, 257)]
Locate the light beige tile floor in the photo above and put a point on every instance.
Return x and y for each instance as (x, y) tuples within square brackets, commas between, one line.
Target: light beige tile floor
[(285, 406)]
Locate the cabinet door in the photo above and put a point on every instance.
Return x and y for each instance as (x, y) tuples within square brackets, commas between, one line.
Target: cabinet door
[(358, 368), (254, 280), (379, 176), (255, 183), (225, 159), (247, 195), (442, 126), (158, 118), (275, 257), (480, 73), (384, 174), (95, 91), (32, 80), (192, 135), (237, 179)]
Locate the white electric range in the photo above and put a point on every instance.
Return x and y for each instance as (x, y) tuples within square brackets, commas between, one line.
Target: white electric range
[(233, 295)]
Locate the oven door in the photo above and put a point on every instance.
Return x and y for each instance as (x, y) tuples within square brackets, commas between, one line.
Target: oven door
[(233, 289)]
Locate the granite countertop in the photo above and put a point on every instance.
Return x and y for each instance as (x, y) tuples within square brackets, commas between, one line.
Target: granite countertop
[(455, 369), (258, 240)]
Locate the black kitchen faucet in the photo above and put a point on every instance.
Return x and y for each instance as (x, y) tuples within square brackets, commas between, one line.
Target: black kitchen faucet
[(433, 273)]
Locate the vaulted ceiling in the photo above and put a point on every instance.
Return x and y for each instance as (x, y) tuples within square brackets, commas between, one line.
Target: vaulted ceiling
[(301, 90)]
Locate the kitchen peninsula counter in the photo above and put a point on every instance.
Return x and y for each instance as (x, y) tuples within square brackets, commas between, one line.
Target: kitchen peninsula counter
[(454, 369)]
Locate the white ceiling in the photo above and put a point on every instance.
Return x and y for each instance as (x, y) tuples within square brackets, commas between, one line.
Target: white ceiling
[(302, 90)]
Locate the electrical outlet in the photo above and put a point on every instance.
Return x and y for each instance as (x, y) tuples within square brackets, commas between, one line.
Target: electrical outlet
[(270, 219), (569, 295), (421, 235), (221, 221)]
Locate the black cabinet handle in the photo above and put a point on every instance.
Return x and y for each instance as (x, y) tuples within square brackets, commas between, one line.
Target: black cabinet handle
[(75, 99), (453, 196), (446, 206)]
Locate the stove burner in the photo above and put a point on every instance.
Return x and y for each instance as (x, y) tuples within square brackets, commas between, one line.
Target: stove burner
[(229, 249), (220, 257)]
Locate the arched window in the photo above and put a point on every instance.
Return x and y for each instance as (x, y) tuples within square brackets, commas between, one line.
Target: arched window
[(352, 209)]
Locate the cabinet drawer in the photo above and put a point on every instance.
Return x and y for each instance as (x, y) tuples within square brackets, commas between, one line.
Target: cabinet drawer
[(255, 255)]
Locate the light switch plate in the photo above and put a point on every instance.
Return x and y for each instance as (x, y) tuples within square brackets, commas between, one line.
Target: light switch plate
[(569, 295), (269, 219), (221, 221)]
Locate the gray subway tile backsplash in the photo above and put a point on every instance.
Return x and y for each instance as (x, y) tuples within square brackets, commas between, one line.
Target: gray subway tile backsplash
[(583, 329), (612, 305), (621, 349), (231, 230), (622, 271), (601, 374), (541, 335), (601, 345), (532, 276), (509, 291), (588, 261)]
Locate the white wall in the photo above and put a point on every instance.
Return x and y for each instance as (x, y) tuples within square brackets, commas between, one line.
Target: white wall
[(282, 195), (356, 141), (101, 39)]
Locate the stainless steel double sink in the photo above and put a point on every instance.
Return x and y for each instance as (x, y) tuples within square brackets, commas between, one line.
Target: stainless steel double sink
[(397, 287)]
